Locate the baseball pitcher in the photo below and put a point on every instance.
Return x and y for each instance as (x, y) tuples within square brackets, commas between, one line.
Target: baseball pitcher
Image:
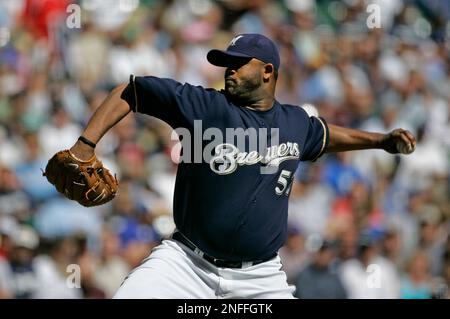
[(230, 208)]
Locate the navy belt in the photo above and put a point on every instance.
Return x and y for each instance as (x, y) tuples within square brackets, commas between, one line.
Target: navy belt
[(217, 262)]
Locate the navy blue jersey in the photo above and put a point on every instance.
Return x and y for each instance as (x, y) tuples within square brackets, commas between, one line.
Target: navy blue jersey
[(225, 205)]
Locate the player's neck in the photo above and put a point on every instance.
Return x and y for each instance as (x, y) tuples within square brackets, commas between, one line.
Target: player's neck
[(258, 102), (262, 105), (263, 99)]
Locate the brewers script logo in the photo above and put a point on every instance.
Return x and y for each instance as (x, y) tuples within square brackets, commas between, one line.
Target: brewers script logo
[(227, 157)]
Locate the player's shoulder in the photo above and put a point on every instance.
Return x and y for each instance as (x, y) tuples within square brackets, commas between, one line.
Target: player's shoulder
[(294, 110), (151, 80), (200, 89)]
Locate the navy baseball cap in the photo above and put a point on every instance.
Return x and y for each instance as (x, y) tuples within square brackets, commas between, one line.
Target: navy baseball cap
[(250, 45)]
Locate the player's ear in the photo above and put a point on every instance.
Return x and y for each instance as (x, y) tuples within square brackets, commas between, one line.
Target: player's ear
[(268, 70)]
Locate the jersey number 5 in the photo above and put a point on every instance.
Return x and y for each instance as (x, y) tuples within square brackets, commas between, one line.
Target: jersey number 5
[(285, 181)]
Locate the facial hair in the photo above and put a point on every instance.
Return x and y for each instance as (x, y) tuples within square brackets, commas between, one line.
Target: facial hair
[(242, 90)]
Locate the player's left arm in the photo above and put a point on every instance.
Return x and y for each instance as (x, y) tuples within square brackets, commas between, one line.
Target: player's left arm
[(346, 139)]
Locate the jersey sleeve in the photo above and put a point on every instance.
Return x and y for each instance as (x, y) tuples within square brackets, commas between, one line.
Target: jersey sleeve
[(317, 139), (173, 102)]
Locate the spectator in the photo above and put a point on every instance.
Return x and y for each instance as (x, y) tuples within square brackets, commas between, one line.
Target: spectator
[(320, 279), (52, 270), (110, 269), (446, 276), (392, 246), (417, 283), (369, 276), (54, 136), (294, 254), (24, 278)]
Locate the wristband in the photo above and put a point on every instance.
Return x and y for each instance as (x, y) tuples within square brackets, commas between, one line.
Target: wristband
[(87, 142)]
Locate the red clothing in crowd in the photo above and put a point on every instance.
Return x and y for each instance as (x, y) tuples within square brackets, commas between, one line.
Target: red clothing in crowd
[(38, 15)]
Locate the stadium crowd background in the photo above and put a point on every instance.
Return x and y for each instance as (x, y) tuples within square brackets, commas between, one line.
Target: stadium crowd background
[(352, 217)]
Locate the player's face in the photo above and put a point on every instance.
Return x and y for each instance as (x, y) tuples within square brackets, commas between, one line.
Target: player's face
[(243, 77)]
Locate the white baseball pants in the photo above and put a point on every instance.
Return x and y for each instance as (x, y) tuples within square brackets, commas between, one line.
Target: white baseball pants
[(173, 271)]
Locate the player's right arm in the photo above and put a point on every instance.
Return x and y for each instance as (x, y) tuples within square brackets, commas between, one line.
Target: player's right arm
[(176, 104), (108, 114)]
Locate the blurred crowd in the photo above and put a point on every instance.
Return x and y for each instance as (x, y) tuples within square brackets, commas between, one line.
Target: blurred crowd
[(363, 224)]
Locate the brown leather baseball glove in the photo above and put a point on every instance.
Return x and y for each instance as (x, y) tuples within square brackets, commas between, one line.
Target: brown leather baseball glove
[(87, 182)]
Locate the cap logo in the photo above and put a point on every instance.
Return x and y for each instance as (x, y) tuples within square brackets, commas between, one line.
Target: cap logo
[(233, 42)]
